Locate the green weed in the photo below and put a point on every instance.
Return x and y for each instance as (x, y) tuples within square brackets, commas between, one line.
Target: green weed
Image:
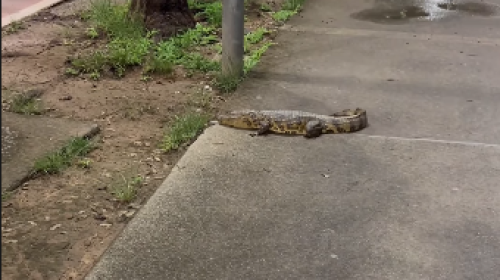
[(92, 33), (292, 5), (227, 84), (288, 9), (126, 190), (6, 195), (183, 129), (114, 20), (264, 7), (129, 41), (254, 37), (14, 27), (54, 163), (84, 163), (283, 15), (253, 59), (25, 104), (212, 11)]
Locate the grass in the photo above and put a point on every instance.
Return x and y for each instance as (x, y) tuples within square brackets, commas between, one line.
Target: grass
[(84, 163), (288, 9), (253, 59), (55, 162), (126, 190), (6, 195), (227, 84), (129, 41), (184, 129), (129, 44), (25, 104), (14, 27), (181, 50)]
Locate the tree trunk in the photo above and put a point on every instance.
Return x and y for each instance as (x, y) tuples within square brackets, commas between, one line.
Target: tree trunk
[(166, 16)]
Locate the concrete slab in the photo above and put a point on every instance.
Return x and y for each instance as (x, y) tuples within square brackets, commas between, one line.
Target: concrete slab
[(410, 86), (27, 138), (347, 207)]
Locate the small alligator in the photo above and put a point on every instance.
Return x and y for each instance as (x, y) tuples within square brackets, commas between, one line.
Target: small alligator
[(309, 125)]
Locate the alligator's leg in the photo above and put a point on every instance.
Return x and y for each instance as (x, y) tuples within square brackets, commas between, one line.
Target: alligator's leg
[(313, 129), (264, 129)]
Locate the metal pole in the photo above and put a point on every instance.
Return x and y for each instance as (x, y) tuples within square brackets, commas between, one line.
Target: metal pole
[(233, 19)]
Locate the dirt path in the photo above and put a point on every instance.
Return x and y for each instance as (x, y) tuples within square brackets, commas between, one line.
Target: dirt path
[(57, 226)]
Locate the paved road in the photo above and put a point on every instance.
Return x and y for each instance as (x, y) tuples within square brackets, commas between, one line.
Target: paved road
[(415, 196), (13, 10)]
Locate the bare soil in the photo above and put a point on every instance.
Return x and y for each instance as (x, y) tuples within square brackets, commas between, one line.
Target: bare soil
[(56, 227)]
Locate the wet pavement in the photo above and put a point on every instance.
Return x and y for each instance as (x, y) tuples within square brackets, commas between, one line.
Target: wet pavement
[(398, 12)]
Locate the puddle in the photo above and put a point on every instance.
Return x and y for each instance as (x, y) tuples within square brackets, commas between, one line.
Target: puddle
[(387, 12), (391, 15), (479, 9)]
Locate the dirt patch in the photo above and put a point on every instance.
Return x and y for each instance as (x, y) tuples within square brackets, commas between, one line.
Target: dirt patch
[(57, 226)]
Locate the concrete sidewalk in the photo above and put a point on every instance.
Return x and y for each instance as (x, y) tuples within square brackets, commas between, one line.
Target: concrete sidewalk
[(414, 196)]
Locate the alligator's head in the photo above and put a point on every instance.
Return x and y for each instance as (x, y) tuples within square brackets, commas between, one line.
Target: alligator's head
[(240, 119)]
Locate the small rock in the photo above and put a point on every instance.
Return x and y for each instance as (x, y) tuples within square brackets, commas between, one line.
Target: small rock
[(68, 216), (66, 98), (138, 143), (129, 214), (5, 230), (134, 206), (99, 217), (325, 175), (32, 223), (54, 227), (11, 241), (87, 243), (107, 225)]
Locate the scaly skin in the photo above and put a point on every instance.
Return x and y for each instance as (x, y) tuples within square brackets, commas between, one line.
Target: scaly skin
[(296, 122)]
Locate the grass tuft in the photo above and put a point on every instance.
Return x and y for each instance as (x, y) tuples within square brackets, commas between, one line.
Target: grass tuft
[(126, 190), (288, 9), (55, 162), (26, 105), (185, 128)]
